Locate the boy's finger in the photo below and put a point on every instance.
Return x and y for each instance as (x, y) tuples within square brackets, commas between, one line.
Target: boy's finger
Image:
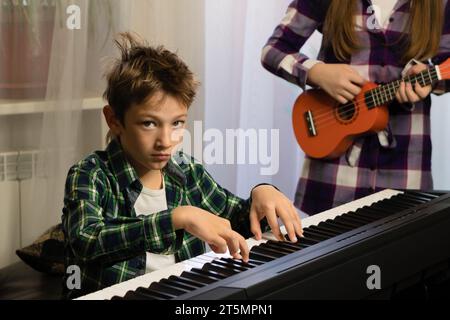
[(245, 252), (273, 223), (297, 222), (255, 226), (288, 223)]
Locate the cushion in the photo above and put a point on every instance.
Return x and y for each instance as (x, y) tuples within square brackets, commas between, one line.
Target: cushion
[(46, 254)]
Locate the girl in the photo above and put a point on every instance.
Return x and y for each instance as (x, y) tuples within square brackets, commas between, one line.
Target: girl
[(363, 40)]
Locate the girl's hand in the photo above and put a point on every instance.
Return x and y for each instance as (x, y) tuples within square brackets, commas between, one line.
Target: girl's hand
[(406, 93), (270, 203), (340, 81)]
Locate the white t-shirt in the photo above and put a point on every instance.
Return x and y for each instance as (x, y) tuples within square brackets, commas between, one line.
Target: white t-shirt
[(151, 202), (385, 10)]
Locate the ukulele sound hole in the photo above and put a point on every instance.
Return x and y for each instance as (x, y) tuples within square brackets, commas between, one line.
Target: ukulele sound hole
[(346, 112)]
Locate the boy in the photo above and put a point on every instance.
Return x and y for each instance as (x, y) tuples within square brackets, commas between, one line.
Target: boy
[(134, 208)]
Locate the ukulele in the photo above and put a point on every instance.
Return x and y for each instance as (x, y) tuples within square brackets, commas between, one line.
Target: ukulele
[(324, 128)]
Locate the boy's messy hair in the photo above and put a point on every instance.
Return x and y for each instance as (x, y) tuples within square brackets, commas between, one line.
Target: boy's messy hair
[(142, 71)]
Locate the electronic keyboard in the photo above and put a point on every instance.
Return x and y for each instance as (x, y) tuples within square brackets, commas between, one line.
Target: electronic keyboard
[(403, 235)]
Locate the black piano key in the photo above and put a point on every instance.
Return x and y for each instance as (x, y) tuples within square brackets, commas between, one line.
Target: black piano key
[(385, 207), (360, 217), (341, 224), (226, 272), (324, 231), (407, 203), (260, 256), (178, 284), (214, 275), (350, 220), (307, 241), (417, 197), (167, 289), (332, 227), (251, 263), (197, 277), (307, 232), (280, 247), (285, 244), (422, 194), (117, 298), (399, 204), (133, 295), (189, 282), (367, 214), (267, 251), (154, 293), (378, 212), (231, 265), (410, 199)]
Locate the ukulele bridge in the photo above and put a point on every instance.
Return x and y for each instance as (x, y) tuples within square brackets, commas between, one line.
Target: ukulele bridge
[(310, 123)]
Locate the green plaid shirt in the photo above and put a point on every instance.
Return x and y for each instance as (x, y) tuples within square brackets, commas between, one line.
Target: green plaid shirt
[(106, 239)]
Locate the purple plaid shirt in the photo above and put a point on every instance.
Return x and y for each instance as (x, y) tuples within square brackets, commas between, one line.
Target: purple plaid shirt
[(404, 161)]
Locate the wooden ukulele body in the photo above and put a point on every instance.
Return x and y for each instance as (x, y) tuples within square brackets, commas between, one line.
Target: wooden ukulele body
[(326, 129)]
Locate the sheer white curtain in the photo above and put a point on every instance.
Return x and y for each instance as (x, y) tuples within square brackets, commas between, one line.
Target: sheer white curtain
[(241, 94), (67, 132)]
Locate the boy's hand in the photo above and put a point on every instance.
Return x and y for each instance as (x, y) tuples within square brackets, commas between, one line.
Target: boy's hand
[(212, 229), (406, 93), (270, 203)]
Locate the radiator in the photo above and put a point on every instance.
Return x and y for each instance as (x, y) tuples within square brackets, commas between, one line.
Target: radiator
[(18, 225)]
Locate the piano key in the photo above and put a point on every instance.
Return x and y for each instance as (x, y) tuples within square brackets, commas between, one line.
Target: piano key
[(225, 272), (407, 203), (251, 263), (267, 251), (307, 241), (368, 214), (411, 199), (323, 231), (211, 274), (422, 194), (167, 289), (378, 212), (279, 247), (230, 265), (178, 284), (157, 294), (333, 228), (288, 245), (197, 277), (314, 235), (261, 257), (132, 295), (385, 207), (351, 221), (185, 281), (341, 224), (360, 217)]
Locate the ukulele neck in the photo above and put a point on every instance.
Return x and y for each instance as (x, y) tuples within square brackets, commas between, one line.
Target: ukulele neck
[(384, 94)]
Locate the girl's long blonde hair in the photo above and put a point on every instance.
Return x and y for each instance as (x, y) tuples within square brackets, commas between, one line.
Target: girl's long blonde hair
[(425, 25)]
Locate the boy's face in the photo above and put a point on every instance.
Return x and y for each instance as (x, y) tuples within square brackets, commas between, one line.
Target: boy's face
[(152, 131)]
